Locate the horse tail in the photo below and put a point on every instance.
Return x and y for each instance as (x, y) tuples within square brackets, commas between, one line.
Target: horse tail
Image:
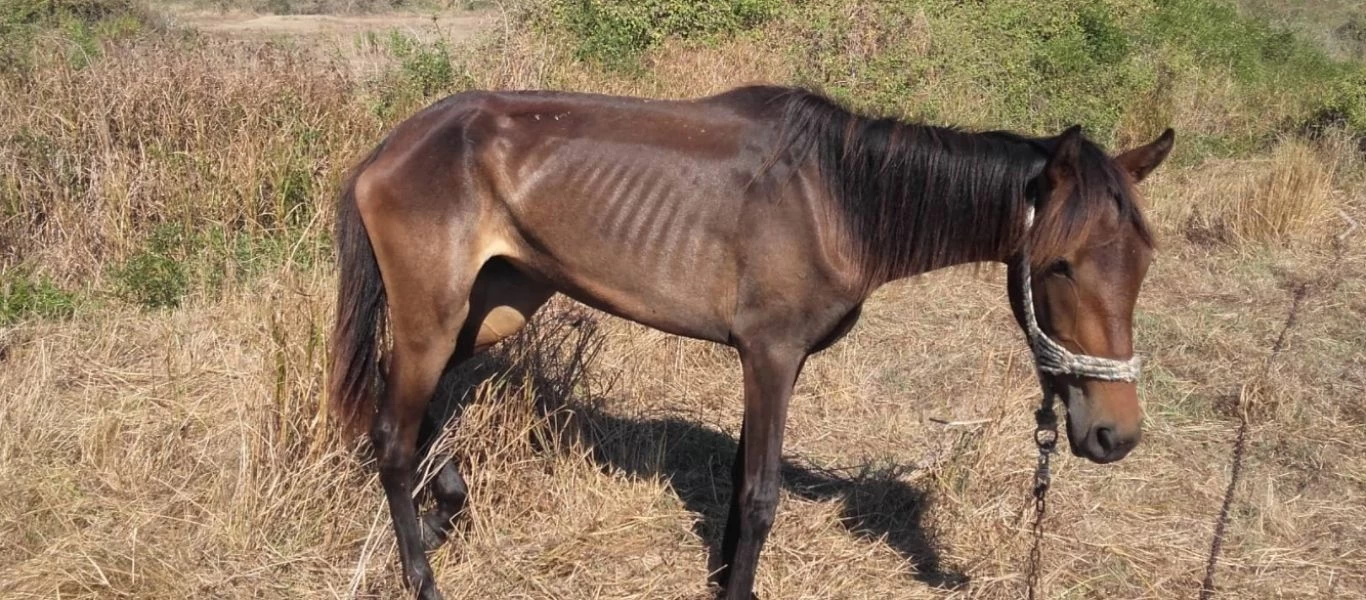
[(355, 376)]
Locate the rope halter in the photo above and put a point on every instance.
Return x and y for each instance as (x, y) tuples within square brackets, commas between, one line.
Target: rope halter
[(1049, 355)]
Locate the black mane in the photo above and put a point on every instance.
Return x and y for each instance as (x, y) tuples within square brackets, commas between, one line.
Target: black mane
[(919, 197)]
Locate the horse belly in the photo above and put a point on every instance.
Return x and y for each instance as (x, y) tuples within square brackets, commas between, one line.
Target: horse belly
[(637, 243)]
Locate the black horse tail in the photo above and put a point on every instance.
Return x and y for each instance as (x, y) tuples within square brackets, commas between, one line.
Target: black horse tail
[(356, 379)]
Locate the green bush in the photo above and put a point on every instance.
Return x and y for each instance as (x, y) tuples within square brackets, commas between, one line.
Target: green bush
[(22, 296), (1343, 107), (210, 259), (49, 12), (426, 66), (616, 32), (1031, 67), (426, 70), (156, 276), (81, 23), (1117, 67), (1041, 66)]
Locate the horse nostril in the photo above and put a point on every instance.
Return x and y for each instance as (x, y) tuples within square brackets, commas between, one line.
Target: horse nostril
[(1106, 438)]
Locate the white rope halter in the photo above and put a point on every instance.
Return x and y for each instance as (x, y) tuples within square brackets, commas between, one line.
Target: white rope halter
[(1049, 355)]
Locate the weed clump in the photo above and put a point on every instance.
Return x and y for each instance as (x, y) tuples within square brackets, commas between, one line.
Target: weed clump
[(616, 32), (80, 24), (155, 277), (23, 295), (424, 70)]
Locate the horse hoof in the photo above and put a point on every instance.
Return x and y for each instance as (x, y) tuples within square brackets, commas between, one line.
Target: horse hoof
[(424, 582), (429, 593)]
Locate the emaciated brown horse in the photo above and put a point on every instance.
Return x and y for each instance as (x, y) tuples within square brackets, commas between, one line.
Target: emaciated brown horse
[(760, 218)]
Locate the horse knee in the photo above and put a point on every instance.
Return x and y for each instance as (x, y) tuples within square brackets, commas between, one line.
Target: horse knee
[(761, 514), (391, 453)]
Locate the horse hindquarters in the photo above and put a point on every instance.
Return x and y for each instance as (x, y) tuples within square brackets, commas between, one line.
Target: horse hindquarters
[(427, 278)]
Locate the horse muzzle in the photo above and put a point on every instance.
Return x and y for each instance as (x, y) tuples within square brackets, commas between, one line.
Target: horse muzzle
[(1094, 434)]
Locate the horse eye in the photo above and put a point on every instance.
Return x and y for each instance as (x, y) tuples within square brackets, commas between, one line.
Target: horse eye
[(1062, 268)]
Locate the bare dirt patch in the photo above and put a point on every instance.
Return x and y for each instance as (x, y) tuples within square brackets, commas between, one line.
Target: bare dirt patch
[(453, 27)]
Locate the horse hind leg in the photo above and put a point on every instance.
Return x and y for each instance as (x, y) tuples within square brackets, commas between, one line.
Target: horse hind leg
[(424, 328), (448, 487), (428, 299), (502, 301)]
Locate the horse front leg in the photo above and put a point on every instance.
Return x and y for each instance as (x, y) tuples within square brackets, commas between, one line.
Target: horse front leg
[(770, 372)]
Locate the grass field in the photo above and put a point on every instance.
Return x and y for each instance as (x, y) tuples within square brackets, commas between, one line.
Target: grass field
[(166, 290)]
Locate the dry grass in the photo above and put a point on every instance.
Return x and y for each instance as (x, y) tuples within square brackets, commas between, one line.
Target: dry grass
[(179, 455), (183, 453), (246, 136), (1292, 196)]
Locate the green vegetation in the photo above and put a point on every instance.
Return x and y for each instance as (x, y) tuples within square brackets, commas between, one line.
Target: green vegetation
[(177, 260), (23, 295), (1344, 105), (1115, 67), (616, 32), (80, 23), (151, 193), (203, 187), (425, 70), (155, 277), (320, 7)]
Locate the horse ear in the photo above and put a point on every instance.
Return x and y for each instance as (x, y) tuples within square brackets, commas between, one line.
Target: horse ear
[(1063, 164), (1141, 161)]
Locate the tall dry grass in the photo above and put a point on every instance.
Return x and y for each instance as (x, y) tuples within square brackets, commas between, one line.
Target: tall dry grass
[(181, 454), (183, 131), (1293, 195)]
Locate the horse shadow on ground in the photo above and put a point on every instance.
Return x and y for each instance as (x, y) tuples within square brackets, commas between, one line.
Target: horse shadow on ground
[(554, 355)]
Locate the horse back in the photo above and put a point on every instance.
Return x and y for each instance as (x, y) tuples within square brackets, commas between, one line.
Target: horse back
[(676, 214)]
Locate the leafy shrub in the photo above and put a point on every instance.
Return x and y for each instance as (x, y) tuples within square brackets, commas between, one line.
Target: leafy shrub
[(209, 260), (616, 32), (22, 295), (1041, 66), (39, 12), (426, 70), (81, 23), (1252, 49), (428, 67), (1344, 107), (156, 277), (1017, 64)]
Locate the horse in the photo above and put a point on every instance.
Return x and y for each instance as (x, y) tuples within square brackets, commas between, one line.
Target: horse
[(760, 218)]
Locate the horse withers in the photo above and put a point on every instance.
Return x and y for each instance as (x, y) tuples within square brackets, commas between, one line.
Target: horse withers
[(760, 218)]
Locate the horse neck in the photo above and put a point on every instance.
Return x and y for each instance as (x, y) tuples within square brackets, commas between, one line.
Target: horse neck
[(943, 198)]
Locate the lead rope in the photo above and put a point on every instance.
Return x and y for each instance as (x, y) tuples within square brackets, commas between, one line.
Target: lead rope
[(1050, 357)]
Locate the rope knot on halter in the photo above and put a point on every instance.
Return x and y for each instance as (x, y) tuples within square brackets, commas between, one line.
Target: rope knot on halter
[(1049, 355)]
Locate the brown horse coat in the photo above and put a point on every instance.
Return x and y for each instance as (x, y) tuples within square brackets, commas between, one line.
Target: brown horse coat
[(760, 218)]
